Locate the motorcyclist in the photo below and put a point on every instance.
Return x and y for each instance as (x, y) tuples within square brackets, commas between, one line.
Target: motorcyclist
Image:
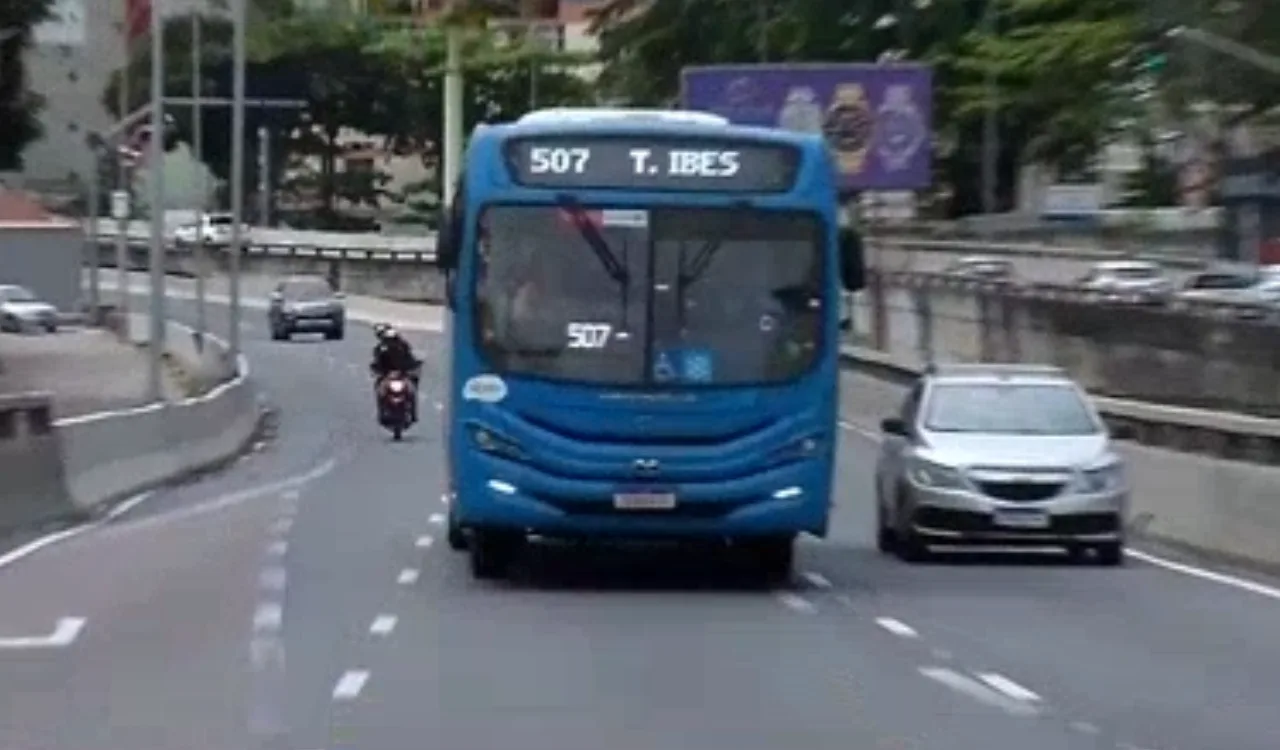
[(393, 354)]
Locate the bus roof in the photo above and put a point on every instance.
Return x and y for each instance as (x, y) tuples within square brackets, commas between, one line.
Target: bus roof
[(640, 122)]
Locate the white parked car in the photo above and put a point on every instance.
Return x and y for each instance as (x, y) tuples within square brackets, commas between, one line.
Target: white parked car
[(20, 310), (213, 229)]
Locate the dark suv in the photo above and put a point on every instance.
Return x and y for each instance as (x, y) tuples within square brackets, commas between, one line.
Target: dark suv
[(306, 304)]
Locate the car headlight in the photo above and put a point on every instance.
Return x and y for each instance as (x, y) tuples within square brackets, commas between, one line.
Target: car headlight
[(490, 442), (1108, 478), (930, 474)]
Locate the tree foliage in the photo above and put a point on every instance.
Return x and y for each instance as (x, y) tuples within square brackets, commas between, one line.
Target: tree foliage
[(19, 106), (1054, 61)]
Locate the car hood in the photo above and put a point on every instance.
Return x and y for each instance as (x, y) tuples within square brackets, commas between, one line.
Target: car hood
[(1016, 451), (28, 309)]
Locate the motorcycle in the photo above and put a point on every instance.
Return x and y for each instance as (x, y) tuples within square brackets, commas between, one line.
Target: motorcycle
[(394, 408)]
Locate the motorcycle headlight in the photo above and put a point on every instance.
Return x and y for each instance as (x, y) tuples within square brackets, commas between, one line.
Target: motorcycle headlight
[(490, 442), (1108, 478), (396, 386), (930, 474)]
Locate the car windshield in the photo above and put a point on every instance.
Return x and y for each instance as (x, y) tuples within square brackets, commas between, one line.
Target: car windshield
[(220, 221), (1221, 281), (1135, 273), (661, 296), (16, 294), (306, 290), (1009, 409)]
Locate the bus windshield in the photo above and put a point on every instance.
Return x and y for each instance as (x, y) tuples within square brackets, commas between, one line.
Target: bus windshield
[(666, 297)]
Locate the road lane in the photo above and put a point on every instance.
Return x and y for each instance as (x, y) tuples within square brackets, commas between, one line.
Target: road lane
[(258, 616)]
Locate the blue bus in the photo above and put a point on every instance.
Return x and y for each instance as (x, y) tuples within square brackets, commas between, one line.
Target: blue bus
[(644, 334)]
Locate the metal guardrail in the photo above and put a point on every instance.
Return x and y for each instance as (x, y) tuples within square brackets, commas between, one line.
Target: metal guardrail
[(139, 232), (1227, 435), (961, 247), (1200, 307)]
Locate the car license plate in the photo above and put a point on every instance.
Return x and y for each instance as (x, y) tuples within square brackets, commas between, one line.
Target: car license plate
[(644, 501), (1030, 518)]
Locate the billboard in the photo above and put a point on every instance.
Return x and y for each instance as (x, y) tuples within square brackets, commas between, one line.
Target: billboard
[(877, 118)]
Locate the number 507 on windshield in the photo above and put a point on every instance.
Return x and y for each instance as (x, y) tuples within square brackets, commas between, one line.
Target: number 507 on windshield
[(588, 335)]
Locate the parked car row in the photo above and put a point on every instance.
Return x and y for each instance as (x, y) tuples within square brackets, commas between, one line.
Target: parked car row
[(1147, 282)]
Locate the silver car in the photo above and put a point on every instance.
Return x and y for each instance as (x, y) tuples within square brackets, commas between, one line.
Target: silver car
[(20, 311), (1002, 455), (1128, 281)]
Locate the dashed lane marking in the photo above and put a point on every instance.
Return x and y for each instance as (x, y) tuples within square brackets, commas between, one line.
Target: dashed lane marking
[(278, 548), (350, 684), (797, 603), (273, 578), (976, 690), (383, 625), (1008, 687), (268, 617), (817, 580), (436, 519), (423, 542), (407, 577), (897, 627)]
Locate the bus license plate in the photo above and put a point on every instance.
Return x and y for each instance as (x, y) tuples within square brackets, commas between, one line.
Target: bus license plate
[(644, 500), (1022, 519)]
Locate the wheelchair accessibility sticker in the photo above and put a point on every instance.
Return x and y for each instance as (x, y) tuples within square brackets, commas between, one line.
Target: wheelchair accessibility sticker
[(684, 365)]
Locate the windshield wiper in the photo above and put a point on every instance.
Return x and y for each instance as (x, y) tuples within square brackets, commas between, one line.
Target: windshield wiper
[(599, 247)]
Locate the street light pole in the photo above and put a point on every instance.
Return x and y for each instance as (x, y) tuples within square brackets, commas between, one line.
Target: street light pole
[(990, 126), (239, 10), (155, 159), (452, 110), (197, 145), (122, 185)]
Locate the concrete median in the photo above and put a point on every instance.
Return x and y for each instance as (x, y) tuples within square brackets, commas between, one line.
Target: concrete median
[(73, 467), (111, 455)]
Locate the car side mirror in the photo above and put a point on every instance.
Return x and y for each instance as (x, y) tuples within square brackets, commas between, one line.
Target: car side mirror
[(893, 426), (853, 271)]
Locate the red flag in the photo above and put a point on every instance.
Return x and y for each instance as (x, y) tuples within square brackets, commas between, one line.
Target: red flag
[(137, 19)]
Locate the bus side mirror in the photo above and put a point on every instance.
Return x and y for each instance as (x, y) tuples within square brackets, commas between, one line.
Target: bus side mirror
[(853, 271)]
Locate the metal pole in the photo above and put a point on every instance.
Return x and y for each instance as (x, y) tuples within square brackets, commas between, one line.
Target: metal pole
[(990, 127), (762, 40), (122, 183), (264, 176), (155, 169), (95, 252), (237, 171), (452, 112), (197, 145)]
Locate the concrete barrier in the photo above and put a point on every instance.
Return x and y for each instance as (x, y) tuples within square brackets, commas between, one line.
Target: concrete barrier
[(32, 486), (1226, 508), (68, 469), (111, 455)]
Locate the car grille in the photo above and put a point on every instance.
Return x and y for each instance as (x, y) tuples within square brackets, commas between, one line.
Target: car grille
[(1021, 491)]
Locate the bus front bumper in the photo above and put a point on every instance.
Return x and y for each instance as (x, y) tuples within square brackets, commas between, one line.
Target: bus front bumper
[(783, 501)]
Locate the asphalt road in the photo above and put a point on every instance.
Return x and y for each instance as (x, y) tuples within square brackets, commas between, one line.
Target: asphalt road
[(304, 599)]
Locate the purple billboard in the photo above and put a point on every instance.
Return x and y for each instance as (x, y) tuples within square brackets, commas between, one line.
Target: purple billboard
[(876, 117)]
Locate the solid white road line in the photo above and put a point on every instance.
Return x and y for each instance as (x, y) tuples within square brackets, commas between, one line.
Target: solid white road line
[(797, 603), (64, 634), (897, 627), (1008, 687), (407, 577), (816, 580), (383, 625), (350, 685), (423, 542), (128, 505), (976, 690)]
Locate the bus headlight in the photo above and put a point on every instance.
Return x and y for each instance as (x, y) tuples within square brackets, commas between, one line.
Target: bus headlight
[(488, 441)]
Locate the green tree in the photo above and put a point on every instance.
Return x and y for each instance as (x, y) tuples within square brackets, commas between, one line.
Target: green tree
[(19, 106)]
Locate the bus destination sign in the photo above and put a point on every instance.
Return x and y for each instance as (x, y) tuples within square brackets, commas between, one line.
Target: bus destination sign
[(630, 163)]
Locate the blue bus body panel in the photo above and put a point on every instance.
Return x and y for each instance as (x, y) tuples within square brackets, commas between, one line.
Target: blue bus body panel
[(742, 461)]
